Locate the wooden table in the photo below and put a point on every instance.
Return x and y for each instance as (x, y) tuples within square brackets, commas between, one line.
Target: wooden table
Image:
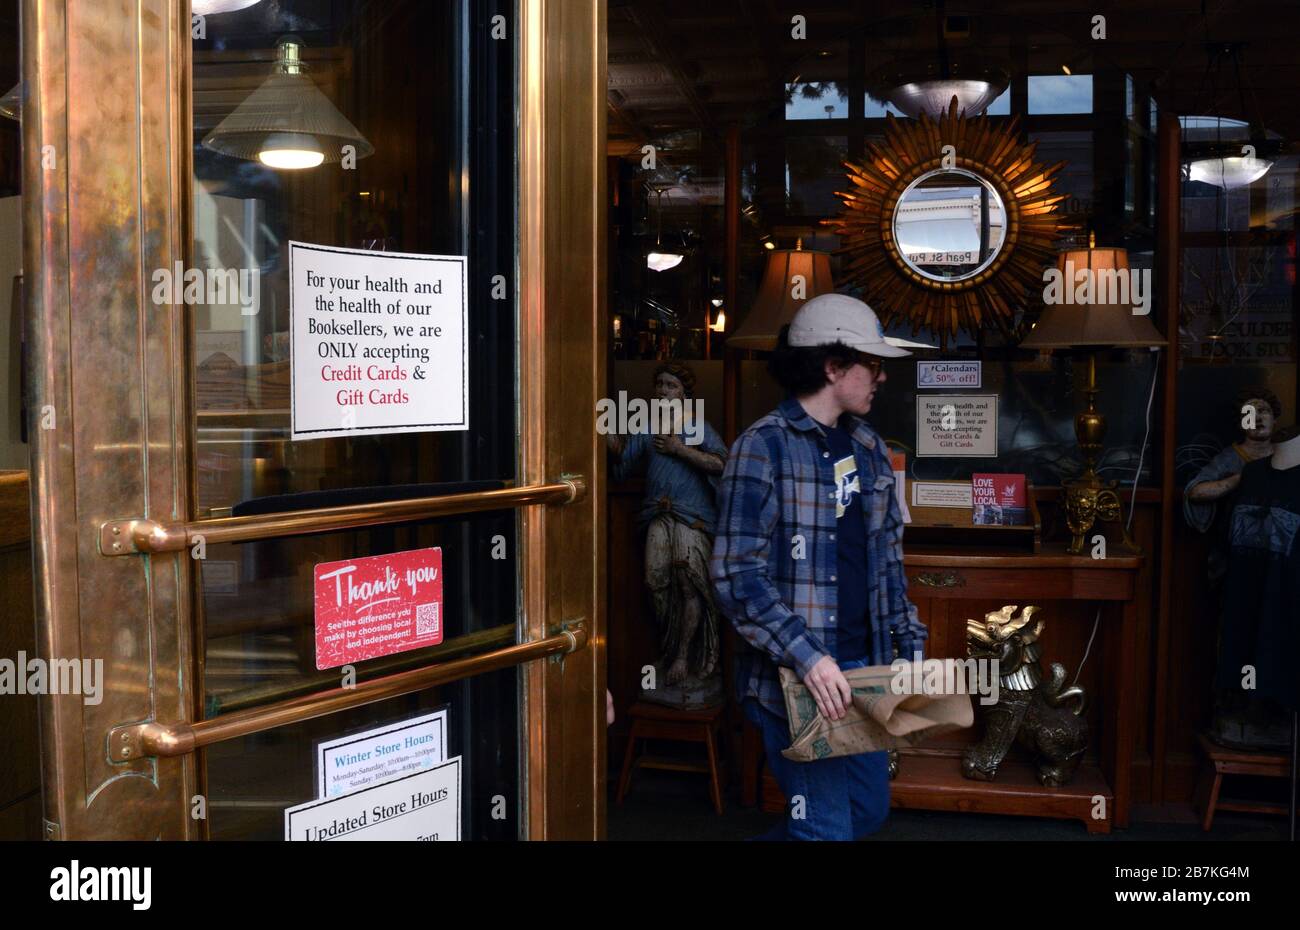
[(939, 578)]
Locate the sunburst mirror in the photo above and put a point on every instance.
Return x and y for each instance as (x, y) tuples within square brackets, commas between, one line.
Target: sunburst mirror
[(949, 223)]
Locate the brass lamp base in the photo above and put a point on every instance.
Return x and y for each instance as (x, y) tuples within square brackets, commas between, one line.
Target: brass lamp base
[(1089, 500)]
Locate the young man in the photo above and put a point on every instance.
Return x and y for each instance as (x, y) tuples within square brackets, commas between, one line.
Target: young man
[(808, 563)]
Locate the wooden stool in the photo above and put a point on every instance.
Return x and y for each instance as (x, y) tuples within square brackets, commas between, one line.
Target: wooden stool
[(655, 721), (1226, 761)]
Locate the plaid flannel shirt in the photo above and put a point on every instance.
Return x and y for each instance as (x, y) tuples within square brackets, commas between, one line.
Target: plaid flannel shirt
[(777, 501)]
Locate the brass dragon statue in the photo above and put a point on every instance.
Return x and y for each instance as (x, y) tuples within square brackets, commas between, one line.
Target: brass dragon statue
[(1034, 711)]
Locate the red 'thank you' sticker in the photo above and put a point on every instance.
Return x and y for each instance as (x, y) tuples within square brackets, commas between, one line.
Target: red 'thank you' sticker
[(376, 606)]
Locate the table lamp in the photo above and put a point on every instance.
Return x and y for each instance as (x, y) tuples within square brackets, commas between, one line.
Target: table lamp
[(1093, 325), (780, 295)]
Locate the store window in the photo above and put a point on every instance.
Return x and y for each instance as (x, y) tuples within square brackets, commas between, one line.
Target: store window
[(384, 126)]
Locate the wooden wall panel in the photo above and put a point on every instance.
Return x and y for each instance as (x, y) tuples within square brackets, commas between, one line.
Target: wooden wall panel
[(20, 766)]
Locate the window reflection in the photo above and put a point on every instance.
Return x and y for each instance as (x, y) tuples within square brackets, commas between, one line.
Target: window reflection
[(1060, 93)]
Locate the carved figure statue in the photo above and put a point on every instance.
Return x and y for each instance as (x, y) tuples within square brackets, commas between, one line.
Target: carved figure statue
[(678, 515), (1044, 717), (1241, 719)]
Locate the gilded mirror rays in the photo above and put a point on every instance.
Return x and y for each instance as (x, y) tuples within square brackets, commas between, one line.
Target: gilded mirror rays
[(960, 275)]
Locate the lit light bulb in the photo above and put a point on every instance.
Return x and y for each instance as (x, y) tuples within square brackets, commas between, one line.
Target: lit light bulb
[(206, 7), (720, 324), (291, 151), (663, 261)]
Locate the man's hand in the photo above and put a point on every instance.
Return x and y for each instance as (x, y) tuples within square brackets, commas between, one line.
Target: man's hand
[(669, 445), (830, 689)]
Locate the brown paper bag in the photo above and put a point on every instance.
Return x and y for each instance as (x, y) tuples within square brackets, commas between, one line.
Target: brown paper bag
[(877, 719)]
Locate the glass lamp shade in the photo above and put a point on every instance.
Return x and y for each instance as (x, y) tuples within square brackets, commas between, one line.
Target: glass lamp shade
[(776, 305), (11, 104), (663, 261), (1229, 173), (929, 88), (1226, 152), (207, 7), (934, 97), (280, 118), (1110, 323)]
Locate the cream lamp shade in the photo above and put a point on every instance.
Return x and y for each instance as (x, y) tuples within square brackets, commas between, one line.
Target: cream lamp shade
[(1100, 318), (793, 277), (287, 123)]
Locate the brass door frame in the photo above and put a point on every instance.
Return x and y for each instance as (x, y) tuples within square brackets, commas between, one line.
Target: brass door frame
[(561, 376), (107, 176)]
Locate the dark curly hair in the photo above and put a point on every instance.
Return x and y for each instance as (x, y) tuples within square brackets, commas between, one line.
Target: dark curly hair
[(1260, 393), (801, 370), (682, 373)]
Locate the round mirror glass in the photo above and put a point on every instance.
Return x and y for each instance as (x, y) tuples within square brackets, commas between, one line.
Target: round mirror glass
[(950, 224)]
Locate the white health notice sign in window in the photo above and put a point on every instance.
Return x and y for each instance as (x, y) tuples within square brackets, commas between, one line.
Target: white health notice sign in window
[(379, 342)]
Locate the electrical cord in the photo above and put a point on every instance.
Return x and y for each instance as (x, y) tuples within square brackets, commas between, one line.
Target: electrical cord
[(1132, 506), (1132, 503)]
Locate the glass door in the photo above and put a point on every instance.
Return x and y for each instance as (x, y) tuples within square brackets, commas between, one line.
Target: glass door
[(246, 420)]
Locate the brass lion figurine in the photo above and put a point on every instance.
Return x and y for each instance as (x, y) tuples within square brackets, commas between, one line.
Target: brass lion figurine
[(1044, 717)]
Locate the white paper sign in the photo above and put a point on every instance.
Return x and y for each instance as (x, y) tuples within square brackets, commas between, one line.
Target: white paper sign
[(940, 494), (350, 763), (957, 425), (930, 374), (423, 806), (379, 342)]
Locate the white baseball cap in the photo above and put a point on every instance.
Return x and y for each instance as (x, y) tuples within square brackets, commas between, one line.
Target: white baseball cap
[(830, 318)]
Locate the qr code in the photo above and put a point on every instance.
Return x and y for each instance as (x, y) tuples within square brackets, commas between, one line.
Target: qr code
[(426, 620)]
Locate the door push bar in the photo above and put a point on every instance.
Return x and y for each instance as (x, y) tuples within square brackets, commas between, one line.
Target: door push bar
[(134, 741), (131, 536)]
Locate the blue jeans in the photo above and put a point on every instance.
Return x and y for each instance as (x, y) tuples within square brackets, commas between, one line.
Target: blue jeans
[(843, 798)]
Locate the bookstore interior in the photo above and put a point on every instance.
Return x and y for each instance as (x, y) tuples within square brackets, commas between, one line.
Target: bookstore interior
[(245, 594)]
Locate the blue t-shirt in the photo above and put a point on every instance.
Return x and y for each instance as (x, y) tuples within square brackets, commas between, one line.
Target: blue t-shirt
[(851, 549)]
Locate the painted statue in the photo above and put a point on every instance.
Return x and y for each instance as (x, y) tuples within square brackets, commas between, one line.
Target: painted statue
[(683, 461), (1241, 719)]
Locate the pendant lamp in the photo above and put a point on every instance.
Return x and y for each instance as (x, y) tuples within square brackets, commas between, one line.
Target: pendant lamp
[(208, 7), (11, 104), (287, 123), (658, 260)]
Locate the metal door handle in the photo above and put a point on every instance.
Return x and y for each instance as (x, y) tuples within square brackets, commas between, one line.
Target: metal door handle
[(127, 743), (130, 536)]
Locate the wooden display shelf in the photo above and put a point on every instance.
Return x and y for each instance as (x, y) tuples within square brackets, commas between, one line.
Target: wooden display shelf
[(930, 777), (934, 782), (930, 782)]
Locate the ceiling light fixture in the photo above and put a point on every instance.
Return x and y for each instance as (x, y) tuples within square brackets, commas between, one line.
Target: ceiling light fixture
[(287, 123), (929, 87), (208, 7), (913, 92), (11, 104), (1225, 152), (656, 260)]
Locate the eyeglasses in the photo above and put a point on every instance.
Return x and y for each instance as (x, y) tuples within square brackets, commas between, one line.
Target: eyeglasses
[(872, 363)]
